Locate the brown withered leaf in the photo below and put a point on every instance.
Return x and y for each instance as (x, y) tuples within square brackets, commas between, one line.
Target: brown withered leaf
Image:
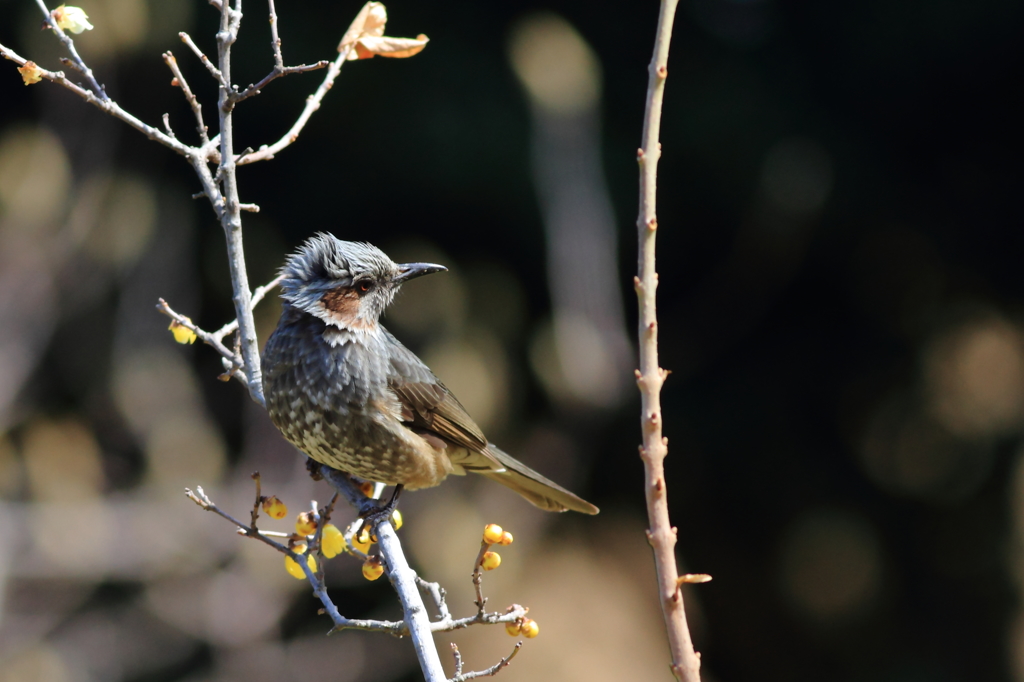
[(366, 36)]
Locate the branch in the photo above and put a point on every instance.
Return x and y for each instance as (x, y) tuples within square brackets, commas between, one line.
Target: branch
[(650, 377), (197, 108), (233, 360), (340, 622), (230, 206), (214, 71), (276, 73), (402, 577), (80, 64), (490, 672), (312, 104), (107, 105)]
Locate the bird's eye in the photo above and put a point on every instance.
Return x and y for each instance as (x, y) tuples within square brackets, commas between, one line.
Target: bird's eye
[(364, 285)]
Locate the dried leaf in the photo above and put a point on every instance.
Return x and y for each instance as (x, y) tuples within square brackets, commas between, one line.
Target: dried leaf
[(390, 47), (365, 38)]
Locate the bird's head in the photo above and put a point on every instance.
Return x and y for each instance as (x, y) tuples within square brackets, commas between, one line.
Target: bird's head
[(345, 284)]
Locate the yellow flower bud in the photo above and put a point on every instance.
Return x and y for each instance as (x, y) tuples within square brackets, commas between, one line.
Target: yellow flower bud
[(293, 568), (72, 19), (492, 533), (506, 538), (396, 517), (275, 508), (490, 561), (30, 73), (512, 628), (530, 629), (182, 334), (305, 523), (332, 542), (372, 568)]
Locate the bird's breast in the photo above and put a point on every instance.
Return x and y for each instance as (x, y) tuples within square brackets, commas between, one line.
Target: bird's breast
[(327, 392)]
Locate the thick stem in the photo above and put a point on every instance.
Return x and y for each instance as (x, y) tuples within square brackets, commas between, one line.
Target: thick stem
[(650, 377), (231, 215), (403, 578)]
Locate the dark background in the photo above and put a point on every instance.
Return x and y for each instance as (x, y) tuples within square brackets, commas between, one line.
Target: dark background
[(847, 393)]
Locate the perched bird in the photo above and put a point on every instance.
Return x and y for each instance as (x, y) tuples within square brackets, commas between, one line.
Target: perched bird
[(347, 393)]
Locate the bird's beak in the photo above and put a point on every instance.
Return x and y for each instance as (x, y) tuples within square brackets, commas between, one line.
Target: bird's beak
[(408, 271)]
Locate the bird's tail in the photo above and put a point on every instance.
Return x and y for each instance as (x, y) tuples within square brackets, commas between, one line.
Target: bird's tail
[(542, 492)]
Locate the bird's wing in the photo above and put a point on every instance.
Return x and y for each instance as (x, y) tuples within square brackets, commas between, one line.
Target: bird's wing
[(428, 405)]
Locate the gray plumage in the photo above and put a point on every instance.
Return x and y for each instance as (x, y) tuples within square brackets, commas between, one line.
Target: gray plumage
[(346, 392)]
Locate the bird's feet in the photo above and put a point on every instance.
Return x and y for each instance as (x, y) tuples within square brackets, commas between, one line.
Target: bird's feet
[(374, 515)]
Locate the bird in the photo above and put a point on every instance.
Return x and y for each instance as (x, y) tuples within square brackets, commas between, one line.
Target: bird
[(343, 390)]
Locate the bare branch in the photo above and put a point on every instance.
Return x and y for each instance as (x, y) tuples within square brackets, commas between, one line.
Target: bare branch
[(312, 104), (478, 577), (490, 672), (276, 73), (650, 377), (197, 108), (229, 204), (206, 337), (80, 64), (214, 71), (105, 104), (438, 594), (275, 40)]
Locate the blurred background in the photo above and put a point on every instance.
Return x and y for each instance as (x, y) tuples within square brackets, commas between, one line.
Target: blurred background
[(841, 305)]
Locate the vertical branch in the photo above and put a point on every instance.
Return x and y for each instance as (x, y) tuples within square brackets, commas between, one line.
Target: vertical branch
[(230, 213), (402, 577), (650, 377)]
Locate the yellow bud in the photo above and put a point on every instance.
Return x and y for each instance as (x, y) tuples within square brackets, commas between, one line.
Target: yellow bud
[(396, 517), (363, 547), (305, 523), (506, 538), (30, 73), (372, 568), (530, 629), (275, 508), (72, 19), (182, 334), (332, 542), (512, 628), (367, 488), (492, 533), (490, 561), (293, 568)]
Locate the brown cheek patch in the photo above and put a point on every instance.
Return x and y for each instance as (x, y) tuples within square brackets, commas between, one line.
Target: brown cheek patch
[(343, 304)]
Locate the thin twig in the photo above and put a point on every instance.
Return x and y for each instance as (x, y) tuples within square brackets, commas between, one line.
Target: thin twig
[(651, 377), (106, 105), (80, 64), (275, 39), (273, 75), (438, 594), (490, 672), (197, 108), (478, 577), (312, 104), (214, 71), (340, 622), (204, 336), (259, 499)]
